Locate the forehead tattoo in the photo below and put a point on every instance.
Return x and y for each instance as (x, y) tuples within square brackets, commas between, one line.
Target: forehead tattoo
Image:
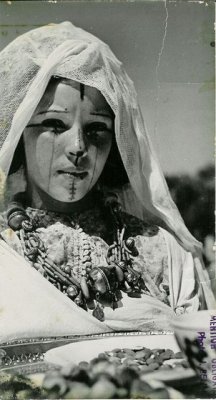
[(82, 91)]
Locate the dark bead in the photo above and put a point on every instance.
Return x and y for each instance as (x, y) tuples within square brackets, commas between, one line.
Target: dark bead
[(111, 198), (27, 225), (78, 300), (129, 277), (134, 252), (72, 291), (16, 219), (116, 208), (31, 257), (130, 243)]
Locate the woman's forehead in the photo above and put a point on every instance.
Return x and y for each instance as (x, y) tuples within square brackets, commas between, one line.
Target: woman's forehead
[(66, 93)]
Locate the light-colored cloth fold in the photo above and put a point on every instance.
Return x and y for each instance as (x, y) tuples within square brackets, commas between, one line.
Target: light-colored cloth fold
[(31, 307), (190, 285)]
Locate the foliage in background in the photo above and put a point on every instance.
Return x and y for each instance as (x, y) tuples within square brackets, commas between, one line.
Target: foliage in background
[(194, 197)]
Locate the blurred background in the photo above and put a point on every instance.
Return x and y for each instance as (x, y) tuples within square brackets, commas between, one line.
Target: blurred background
[(167, 48)]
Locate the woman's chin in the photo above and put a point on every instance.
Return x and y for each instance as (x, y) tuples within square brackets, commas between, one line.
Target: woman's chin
[(67, 198), (65, 194), (60, 199)]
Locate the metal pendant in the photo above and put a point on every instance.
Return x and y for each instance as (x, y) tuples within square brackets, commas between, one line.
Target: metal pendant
[(98, 313)]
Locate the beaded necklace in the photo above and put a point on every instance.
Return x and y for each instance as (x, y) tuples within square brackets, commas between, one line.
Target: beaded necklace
[(90, 287)]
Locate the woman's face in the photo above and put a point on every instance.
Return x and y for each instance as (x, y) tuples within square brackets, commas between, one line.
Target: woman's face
[(68, 140)]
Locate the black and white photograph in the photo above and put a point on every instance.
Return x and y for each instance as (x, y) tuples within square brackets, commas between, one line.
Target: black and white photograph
[(107, 247)]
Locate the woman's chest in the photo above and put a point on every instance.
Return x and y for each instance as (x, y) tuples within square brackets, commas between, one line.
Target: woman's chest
[(76, 248)]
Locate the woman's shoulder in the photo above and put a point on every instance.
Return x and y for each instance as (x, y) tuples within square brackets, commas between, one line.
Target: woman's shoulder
[(152, 259), (137, 227), (150, 234), (149, 239)]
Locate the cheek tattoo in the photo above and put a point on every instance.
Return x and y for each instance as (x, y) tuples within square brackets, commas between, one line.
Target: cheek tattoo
[(50, 165), (93, 170)]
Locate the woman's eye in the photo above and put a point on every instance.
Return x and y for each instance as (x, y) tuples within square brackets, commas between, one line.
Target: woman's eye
[(97, 133), (55, 125)]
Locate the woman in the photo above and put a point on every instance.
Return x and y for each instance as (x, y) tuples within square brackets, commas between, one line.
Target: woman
[(81, 183)]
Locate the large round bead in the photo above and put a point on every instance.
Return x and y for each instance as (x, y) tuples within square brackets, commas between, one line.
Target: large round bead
[(78, 300), (100, 282), (16, 219), (72, 291), (130, 243), (67, 269), (119, 273)]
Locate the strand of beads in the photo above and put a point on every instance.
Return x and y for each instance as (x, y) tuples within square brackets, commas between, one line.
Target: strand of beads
[(74, 285), (122, 252), (33, 247), (36, 253), (79, 264), (77, 278), (78, 251)]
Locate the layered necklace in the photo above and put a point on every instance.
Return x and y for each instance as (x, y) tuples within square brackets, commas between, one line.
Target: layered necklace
[(89, 286)]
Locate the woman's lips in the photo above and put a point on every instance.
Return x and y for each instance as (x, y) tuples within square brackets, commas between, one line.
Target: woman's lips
[(75, 174)]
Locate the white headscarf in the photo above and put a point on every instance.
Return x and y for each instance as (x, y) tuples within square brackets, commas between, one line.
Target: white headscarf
[(26, 66)]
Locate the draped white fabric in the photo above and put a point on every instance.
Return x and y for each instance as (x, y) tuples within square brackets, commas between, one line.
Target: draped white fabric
[(26, 66), (30, 306)]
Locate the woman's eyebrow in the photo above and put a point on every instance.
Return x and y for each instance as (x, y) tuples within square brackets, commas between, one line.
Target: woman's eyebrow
[(53, 111), (101, 114)]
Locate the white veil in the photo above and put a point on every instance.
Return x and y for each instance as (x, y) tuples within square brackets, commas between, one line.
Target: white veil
[(26, 66)]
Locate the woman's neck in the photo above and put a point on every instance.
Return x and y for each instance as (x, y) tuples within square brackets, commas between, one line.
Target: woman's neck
[(37, 198)]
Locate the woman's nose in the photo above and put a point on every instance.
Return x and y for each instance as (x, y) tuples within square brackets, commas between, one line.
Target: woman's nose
[(75, 147)]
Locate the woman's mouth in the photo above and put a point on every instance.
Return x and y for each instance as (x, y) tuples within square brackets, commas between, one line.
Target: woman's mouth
[(74, 174)]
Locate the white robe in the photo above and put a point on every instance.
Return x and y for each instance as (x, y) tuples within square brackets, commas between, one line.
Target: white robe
[(30, 306)]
